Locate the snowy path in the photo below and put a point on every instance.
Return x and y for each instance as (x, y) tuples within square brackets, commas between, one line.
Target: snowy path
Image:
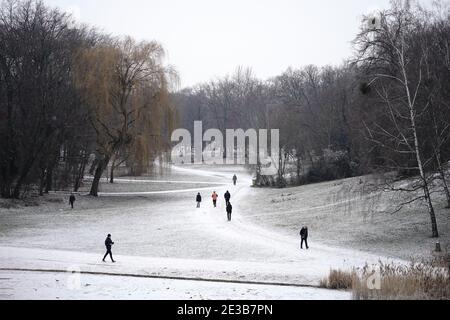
[(169, 241), (147, 193)]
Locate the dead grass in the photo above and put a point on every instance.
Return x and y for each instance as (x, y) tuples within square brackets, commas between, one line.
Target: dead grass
[(426, 280), (339, 280)]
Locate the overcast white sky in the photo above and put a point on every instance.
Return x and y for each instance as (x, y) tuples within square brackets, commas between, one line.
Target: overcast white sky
[(205, 39)]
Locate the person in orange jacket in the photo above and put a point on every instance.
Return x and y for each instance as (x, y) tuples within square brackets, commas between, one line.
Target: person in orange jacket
[(215, 196)]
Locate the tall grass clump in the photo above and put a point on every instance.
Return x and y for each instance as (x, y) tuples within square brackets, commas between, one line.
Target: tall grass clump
[(338, 280), (426, 280)]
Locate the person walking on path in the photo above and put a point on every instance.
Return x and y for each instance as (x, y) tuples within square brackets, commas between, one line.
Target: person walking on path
[(229, 211), (108, 244), (72, 200), (215, 196), (304, 236), (227, 197), (234, 179), (198, 199)]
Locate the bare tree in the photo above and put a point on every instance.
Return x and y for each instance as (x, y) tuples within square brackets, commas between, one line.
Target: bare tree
[(397, 67)]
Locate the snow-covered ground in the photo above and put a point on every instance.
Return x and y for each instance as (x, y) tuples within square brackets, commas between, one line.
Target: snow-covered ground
[(161, 236), (341, 213), (55, 286)]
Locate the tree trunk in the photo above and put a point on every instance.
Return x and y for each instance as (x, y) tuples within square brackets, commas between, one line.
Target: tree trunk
[(444, 182), (438, 156), (42, 181), (113, 167), (447, 191), (434, 227), (111, 176), (10, 147), (98, 175), (417, 150), (49, 179), (281, 183), (298, 169), (426, 190), (80, 174)]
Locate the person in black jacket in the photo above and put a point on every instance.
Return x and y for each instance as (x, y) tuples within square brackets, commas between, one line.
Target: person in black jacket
[(72, 200), (304, 236), (198, 199), (227, 197), (108, 244), (229, 211)]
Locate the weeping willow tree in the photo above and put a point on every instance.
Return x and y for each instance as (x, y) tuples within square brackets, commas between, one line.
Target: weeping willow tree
[(152, 130), (124, 85)]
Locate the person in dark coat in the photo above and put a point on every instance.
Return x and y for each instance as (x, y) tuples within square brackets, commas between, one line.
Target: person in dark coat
[(72, 200), (198, 199), (227, 197), (234, 179), (304, 236), (229, 211), (108, 244)]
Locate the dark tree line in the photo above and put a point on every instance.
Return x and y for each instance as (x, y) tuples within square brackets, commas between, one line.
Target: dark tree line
[(49, 123), (40, 110)]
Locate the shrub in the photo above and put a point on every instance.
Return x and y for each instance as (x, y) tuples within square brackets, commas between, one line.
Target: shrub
[(331, 166)]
